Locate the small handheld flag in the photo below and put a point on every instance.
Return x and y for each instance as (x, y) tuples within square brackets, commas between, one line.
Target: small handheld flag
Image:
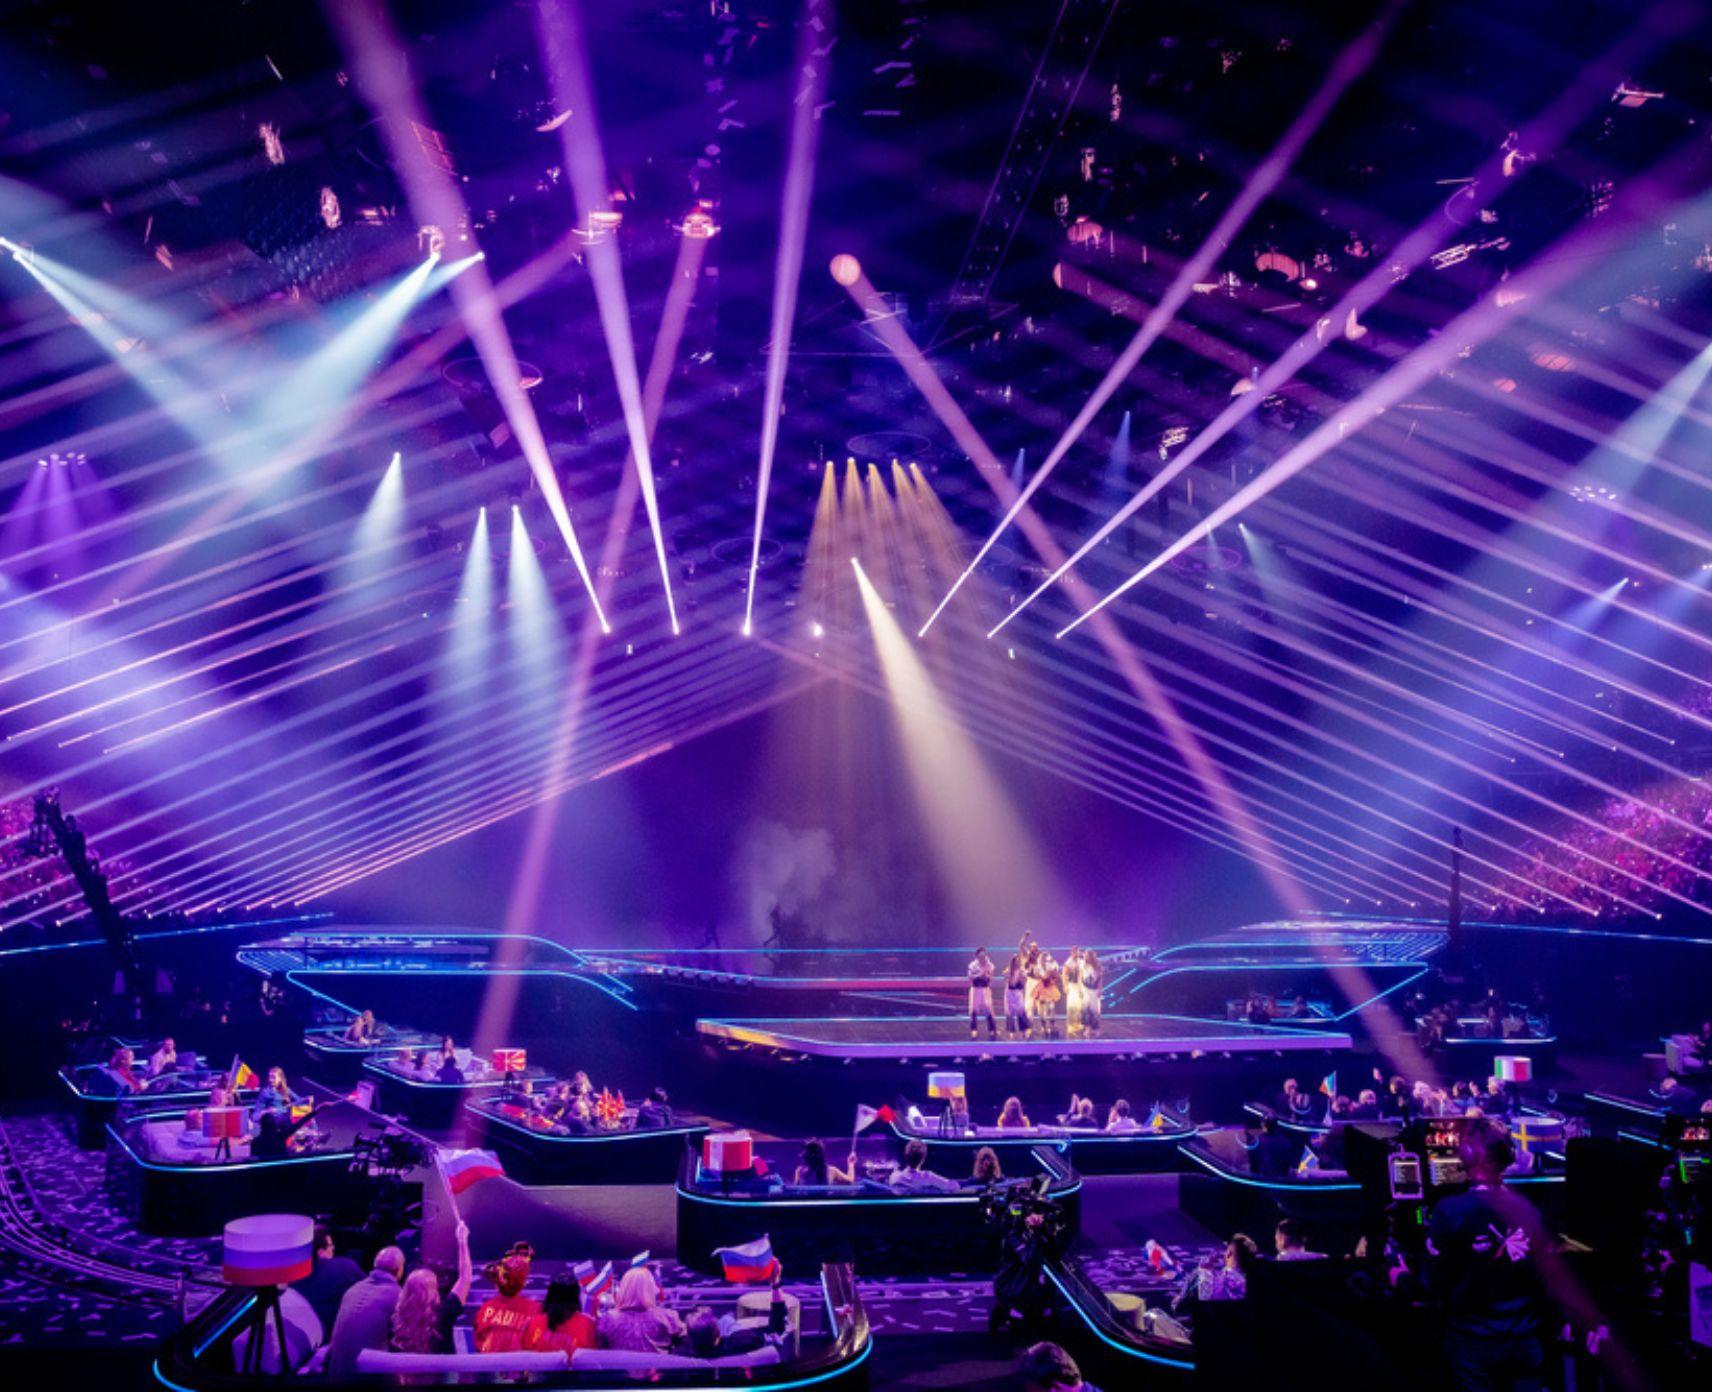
[(1328, 1084), (1156, 1118), (750, 1263), (1160, 1260), (243, 1076), (463, 1169), (1309, 1161), (865, 1117), (640, 1259)]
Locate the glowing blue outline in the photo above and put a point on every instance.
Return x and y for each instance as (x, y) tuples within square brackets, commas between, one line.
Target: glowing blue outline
[(242, 1310), (161, 933), (1423, 969), (474, 1105), (1125, 1348), (1605, 1099), (218, 1167), (1212, 1168)]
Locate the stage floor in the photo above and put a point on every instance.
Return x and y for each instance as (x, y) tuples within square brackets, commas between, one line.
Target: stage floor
[(943, 1037)]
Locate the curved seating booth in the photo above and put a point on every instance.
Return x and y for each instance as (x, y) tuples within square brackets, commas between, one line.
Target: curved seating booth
[(338, 1062), (1149, 1149), (97, 1096), (537, 1152), (827, 1348), (883, 1230), (169, 1171), (426, 1100)]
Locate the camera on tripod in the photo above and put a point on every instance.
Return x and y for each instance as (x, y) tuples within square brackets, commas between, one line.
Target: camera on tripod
[(387, 1154)]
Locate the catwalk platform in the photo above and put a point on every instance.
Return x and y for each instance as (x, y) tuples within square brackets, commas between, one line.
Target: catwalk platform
[(923, 1037)]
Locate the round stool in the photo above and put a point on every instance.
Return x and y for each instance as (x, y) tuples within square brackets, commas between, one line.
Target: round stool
[(758, 1304)]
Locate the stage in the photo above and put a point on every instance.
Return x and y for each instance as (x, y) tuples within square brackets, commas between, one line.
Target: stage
[(925, 1037)]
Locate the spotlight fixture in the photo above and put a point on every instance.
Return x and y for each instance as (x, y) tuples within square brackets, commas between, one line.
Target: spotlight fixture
[(846, 269)]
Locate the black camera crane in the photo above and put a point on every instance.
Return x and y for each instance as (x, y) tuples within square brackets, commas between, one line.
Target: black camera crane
[(55, 830)]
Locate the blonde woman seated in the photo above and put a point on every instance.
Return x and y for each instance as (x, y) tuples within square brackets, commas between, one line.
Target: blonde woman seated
[(1012, 1117), (987, 1169), (637, 1320)]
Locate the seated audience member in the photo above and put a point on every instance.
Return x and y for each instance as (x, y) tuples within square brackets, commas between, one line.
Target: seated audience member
[(364, 1320), (363, 1029), (561, 1325), (220, 1091), (1012, 1117), (1048, 1368), (987, 1169), (446, 1064), (1342, 1108), (1396, 1101), (655, 1113), (1675, 1098), (816, 1170), (275, 1095), (328, 1280), (637, 1320), (1366, 1106), (1119, 1121), (1081, 1116), (122, 1068), (423, 1319), (504, 1316), (705, 1336), (580, 1085), (954, 1120), (912, 1178), (164, 1060), (1291, 1242), (1222, 1276), (1292, 1103), (1275, 1152)]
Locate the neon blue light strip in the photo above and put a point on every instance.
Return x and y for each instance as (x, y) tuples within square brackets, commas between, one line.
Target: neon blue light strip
[(1532, 1041), (763, 1386), (237, 1315), (1058, 1139), (601, 1136), (857, 1199), (160, 933), (1605, 1099), (191, 1095), (1421, 969), (223, 1167), (1330, 1187), (594, 981), (381, 1070), (1652, 1141), (1130, 1350)]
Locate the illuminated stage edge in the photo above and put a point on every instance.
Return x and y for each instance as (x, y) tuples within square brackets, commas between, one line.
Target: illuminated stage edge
[(942, 1037)]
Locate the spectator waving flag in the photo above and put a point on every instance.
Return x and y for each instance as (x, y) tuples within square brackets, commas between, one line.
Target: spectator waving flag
[(752, 1262), (594, 1283), (462, 1169)]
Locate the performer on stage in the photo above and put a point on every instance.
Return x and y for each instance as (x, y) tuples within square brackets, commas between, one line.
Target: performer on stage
[(981, 993), (1048, 994), (1016, 999), (1073, 993), (1091, 992)]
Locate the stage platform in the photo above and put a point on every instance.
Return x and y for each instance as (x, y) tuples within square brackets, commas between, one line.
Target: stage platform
[(946, 1037)]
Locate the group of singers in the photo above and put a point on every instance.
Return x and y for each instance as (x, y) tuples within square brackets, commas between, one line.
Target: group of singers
[(1036, 984)]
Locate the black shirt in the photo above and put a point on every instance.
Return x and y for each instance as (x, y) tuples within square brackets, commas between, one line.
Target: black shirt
[(325, 1287), (1487, 1246)]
